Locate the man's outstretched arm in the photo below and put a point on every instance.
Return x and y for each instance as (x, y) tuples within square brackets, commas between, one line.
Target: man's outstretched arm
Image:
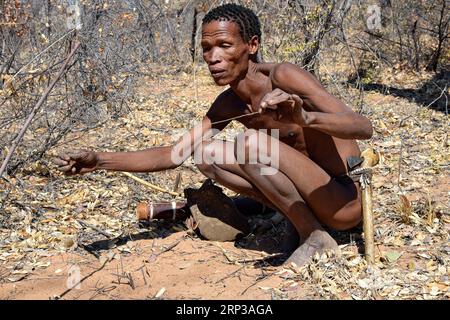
[(323, 111), (148, 160)]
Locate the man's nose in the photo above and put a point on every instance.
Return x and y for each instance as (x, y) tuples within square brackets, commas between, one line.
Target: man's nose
[(214, 56)]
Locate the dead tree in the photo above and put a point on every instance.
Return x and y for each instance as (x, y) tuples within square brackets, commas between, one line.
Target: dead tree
[(442, 34)]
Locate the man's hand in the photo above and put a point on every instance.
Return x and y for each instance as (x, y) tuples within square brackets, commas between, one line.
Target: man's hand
[(278, 97), (76, 162)]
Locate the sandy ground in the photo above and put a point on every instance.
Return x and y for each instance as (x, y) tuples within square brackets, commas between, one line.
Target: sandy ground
[(193, 269)]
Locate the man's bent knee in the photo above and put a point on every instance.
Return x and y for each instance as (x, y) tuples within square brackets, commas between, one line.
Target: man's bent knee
[(210, 155), (346, 218), (206, 169), (256, 147), (245, 147), (204, 165)]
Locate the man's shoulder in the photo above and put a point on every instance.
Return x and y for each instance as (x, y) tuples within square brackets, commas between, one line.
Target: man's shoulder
[(292, 78), (284, 71)]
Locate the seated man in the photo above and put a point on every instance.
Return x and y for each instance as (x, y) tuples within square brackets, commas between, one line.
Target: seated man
[(314, 133)]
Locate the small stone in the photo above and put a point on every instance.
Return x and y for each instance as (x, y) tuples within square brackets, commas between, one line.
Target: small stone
[(68, 242)]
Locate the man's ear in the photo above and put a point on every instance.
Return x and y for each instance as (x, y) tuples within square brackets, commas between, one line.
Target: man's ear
[(253, 45)]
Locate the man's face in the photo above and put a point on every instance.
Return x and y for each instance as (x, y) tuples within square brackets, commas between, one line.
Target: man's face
[(225, 52)]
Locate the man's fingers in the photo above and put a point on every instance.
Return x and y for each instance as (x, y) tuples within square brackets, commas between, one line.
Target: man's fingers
[(277, 96), (297, 99), (64, 156), (77, 155), (65, 169), (268, 106), (60, 162), (271, 99), (278, 99), (272, 95)]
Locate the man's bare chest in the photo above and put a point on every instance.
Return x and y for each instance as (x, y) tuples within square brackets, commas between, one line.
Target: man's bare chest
[(279, 125)]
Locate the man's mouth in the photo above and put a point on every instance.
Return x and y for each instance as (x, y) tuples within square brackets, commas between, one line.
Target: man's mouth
[(217, 73)]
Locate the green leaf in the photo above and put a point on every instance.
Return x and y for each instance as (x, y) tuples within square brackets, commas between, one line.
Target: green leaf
[(392, 256)]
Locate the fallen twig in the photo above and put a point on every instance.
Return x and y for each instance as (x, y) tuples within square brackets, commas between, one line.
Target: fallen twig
[(84, 278), (257, 281), (225, 253), (169, 247), (153, 256), (126, 276), (399, 174), (143, 273), (177, 182), (230, 274), (442, 93), (102, 290), (270, 256), (234, 261), (148, 184), (131, 281), (88, 225)]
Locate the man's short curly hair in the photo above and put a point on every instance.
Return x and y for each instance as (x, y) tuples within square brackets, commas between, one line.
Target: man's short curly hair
[(245, 18)]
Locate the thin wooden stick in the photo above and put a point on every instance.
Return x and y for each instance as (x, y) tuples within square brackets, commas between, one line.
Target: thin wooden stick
[(148, 184), (370, 160), (237, 117), (230, 274), (35, 109), (42, 52), (169, 247), (88, 225), (84, 278)]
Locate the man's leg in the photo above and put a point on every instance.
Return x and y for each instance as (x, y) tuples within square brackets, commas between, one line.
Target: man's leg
[(334, 204), (224, 169), (279, 192), (303, 191)]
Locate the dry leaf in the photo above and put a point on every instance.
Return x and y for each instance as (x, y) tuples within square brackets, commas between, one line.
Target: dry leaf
[(160, 292)]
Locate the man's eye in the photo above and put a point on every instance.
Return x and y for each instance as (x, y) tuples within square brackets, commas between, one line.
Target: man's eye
[(225, 45)]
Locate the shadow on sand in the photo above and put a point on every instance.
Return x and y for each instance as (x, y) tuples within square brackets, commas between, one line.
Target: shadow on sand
[(432, 94)]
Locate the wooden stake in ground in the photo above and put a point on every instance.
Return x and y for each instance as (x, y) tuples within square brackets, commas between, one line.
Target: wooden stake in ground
[(370, 160), (35, 109)]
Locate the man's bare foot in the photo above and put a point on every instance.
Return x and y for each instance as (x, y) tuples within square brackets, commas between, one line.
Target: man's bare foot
[(318, 241)]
